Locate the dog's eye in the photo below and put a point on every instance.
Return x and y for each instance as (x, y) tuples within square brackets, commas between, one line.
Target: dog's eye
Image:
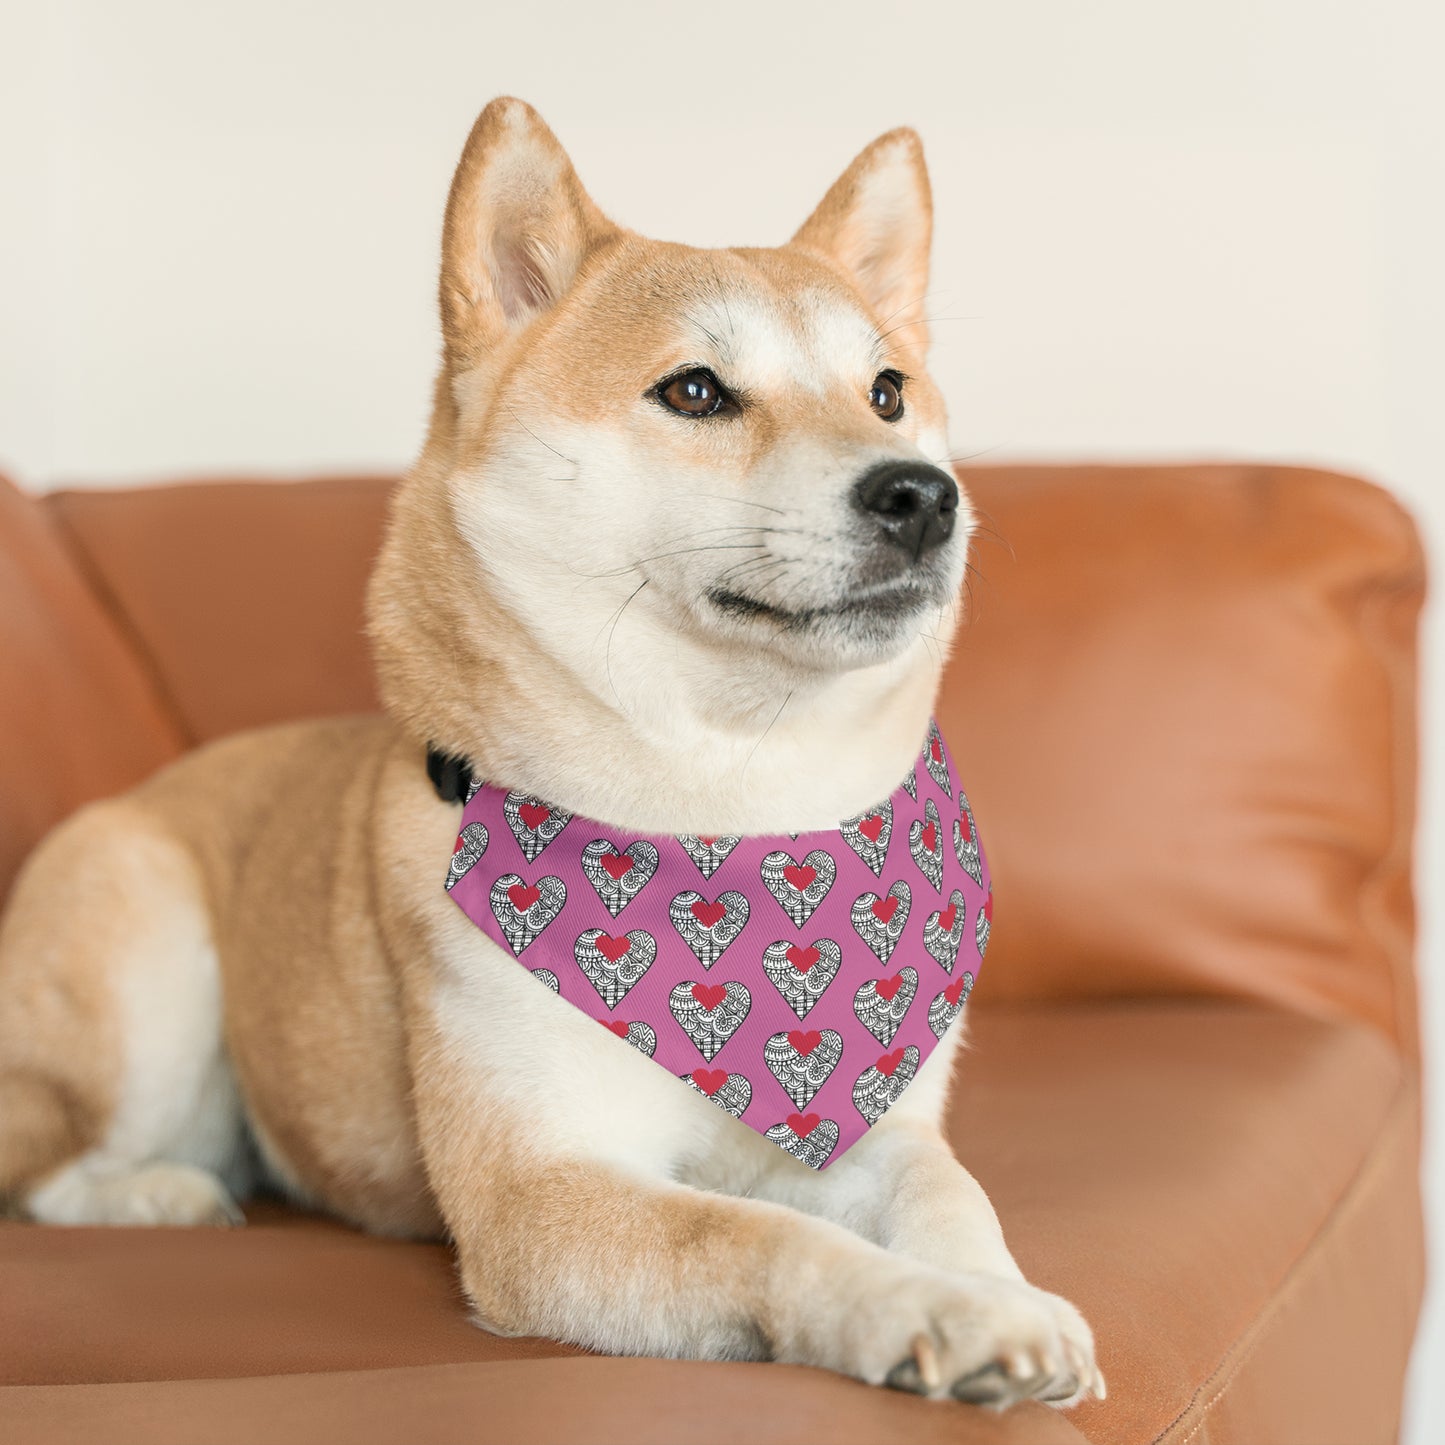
[(886, 397), (694, 393)]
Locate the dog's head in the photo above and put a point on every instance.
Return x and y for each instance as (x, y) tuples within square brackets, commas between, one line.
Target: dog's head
[(649, 456)]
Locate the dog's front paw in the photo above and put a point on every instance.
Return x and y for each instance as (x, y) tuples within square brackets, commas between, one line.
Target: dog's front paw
[(1081, 1376), (979, 1338)]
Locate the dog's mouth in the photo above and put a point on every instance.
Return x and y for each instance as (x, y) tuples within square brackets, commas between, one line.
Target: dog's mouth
[(889, 603)]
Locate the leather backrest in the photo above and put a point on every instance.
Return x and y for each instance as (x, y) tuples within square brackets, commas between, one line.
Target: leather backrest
[(79, 715), (1185, 709), (1183, 705), (247, 596)]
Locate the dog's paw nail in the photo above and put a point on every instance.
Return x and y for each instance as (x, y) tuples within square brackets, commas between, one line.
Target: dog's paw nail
[(229, 1214), (905, 1376), (1065, 1389), (988, 1386), (1021, 1365), (1100, 1390), (926, 1356)]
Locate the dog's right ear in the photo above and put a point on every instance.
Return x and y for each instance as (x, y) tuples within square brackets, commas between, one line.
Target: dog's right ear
[(518, 227)]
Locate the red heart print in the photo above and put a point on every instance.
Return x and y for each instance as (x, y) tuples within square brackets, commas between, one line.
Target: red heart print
[(965, 826), (618, 865), (988, 908), (889, 1062), (612, 948), (886, 988), (523, 896), (937, 750), (885, 908), (709, 995), (930, 838), (534, 814), (802, 1124), (708, 914), (871, 827), (954, 991), (459, 844), (709, 1080), (707, 841), (946, 918), (802, 958), (805, 1043), (799, 875), (616, 1025)]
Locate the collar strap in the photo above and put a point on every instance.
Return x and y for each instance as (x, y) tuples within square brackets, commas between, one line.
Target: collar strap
[(450, 775)]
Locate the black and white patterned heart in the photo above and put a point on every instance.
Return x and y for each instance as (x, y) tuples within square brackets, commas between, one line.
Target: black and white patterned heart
[(801, 972), (547, 979), (880, 921), (710, 1013), (799, 887), (943, 931), (806, 1137), (910, 783), (733, 1092), (947, 1005), (471, 844), (636, 1033), (613, 965), (474, 787), (802, 1059), (965, 841), (708, 926), (869, 834), (881, 1085), (534, 823), (936, 761), (984, 926), (882, 1003), (524, 909), (708, 853), (617, 876), (925, 844)]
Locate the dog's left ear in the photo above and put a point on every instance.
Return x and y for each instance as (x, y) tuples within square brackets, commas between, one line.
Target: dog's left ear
[(877, 223)]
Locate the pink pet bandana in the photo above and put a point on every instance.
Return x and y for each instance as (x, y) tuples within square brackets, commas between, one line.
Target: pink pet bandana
[(798, 980)]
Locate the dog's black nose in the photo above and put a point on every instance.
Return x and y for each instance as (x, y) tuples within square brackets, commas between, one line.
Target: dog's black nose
[(914, 504)]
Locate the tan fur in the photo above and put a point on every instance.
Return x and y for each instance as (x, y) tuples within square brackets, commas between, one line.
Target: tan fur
[(263, 923)]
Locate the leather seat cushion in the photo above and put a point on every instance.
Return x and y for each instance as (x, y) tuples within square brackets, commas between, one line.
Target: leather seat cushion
[(1225, 1190)]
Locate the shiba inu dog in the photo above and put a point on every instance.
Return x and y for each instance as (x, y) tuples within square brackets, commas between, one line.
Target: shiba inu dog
[(677, 553)]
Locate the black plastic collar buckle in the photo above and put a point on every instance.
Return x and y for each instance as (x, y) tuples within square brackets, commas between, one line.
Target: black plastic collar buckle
[(450, 775)]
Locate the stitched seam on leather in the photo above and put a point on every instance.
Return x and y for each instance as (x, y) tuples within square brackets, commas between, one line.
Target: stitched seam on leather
[(124, 623), (1402, 580), (1401, 680), (1242, 1351)]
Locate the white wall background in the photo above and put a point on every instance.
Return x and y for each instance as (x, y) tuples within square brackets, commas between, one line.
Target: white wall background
[(1168, 229)]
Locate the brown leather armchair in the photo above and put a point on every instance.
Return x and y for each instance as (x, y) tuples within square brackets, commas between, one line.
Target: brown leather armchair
[(1186, 707)]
